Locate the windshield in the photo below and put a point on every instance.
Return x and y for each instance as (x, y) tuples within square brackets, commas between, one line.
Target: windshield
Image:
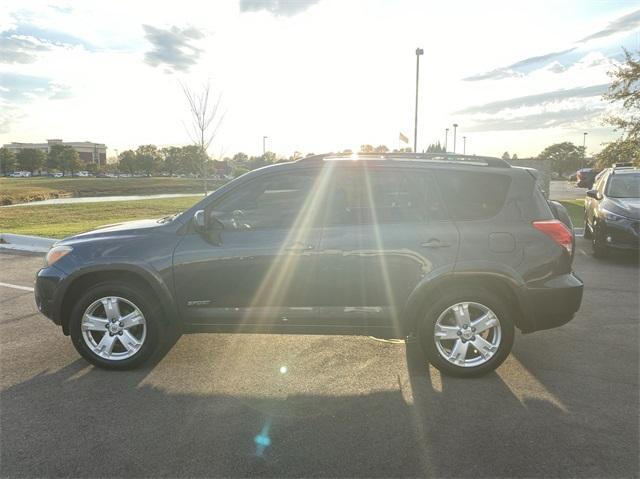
[(624, 186)]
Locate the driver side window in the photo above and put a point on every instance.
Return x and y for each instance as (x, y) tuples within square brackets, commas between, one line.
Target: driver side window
[(274, 201)]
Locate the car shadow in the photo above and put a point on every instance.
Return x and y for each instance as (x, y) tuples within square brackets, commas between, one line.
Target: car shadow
[(85, 422)]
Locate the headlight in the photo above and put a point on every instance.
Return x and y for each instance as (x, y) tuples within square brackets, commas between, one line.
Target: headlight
[(609, 216), (56, 253)]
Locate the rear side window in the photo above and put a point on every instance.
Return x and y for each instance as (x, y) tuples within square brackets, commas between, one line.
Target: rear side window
[(473, 196), (363, 196)]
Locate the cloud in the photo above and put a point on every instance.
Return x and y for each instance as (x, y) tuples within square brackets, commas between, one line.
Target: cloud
[(20, 49), (172, 47), (23, 43), (623, 24), (539, 99), (286, 8), (548, 119), (518, 68), (16, 88)]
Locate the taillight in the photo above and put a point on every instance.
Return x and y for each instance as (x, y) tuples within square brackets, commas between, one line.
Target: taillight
[(557, 231)]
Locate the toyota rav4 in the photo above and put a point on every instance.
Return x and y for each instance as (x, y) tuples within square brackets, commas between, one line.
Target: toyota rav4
[(456, 251)]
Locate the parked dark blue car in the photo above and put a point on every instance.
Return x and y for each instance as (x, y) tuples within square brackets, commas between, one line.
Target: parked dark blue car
[(457, 250)]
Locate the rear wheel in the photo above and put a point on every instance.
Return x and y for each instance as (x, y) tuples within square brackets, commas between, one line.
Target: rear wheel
[(115, 326), (467, 333)]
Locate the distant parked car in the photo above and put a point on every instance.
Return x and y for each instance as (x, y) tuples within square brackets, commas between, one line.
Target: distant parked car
[(58, 175), (612, 210), (586, 177), (83, 174), (20, 174)]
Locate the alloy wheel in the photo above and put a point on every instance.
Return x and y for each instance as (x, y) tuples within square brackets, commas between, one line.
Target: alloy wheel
[(113, 328), (467, 334)]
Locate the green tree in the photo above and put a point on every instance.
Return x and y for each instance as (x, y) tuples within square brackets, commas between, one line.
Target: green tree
[(191, 159), (514, 157), (127, 162), (30, 159), (69, 160), (240, 159), (435, 148), (506, 156), (239, 171), (366, 149), (619, 151), (625, 89), (7, 161), (54, 157), (171, 159), (564, 157), (381, 149), (148, 158)]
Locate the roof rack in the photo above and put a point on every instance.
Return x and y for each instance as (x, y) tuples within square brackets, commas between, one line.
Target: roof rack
[(439, 157)]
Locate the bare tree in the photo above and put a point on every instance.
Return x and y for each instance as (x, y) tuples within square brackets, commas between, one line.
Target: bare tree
[(206, 118)]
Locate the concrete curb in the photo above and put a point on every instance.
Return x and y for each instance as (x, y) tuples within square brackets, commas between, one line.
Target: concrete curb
[(35, 244)]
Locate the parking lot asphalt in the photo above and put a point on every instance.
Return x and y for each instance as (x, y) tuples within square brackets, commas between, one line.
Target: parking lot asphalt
[(565, 403)]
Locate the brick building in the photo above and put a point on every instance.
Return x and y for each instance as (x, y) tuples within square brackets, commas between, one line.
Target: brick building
[(87, 151)]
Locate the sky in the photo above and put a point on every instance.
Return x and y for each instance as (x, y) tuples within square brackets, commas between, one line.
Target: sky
[(313, 75)]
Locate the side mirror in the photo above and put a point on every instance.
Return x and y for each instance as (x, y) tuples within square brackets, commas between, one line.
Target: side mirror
[(200, 221), (593, 194)]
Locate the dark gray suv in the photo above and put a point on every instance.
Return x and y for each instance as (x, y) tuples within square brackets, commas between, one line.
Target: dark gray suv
[(455, 250)]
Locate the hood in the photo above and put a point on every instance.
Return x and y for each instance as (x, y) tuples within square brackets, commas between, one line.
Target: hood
[(125, 228), (629, 207)]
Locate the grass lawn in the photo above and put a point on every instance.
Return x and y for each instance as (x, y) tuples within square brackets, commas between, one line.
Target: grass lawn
[(58, 221), (24, 190), (576, 211)]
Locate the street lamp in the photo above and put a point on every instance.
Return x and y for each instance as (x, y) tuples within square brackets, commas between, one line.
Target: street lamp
[(419, 51), (584, 149), (264, 149), (446, 136), (464, 145), (455, 127)]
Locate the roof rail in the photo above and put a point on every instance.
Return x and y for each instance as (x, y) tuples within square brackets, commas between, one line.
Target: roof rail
[(442, 157)]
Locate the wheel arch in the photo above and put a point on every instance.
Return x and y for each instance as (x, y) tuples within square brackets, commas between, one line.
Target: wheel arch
[(505, 286), (126, 274)]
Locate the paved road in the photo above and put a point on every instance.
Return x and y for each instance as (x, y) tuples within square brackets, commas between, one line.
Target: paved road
[(565, 190), (564, 404)]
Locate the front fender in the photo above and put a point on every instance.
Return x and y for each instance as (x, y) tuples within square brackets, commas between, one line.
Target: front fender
[(145, 272)]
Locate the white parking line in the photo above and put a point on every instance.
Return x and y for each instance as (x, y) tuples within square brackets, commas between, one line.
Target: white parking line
[(15, 286)]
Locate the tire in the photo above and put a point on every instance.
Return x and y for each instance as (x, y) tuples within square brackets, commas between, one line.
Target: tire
[(587, 230), (600, 249), (440, 315), (142, 335)]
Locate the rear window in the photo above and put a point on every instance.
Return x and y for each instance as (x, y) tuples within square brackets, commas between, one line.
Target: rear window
[(473, 195)]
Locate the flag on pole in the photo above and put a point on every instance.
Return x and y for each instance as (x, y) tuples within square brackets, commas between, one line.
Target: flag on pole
[(403, 138)]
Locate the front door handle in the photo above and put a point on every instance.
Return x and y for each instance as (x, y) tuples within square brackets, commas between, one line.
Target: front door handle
[(435, 243), (299, 247)]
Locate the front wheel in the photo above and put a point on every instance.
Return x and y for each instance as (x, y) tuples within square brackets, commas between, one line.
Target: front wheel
[(467, 333), (598, 244), (115, 326)]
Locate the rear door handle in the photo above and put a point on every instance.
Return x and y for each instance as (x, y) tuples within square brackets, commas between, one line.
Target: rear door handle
[(435, 243), (299, 247)]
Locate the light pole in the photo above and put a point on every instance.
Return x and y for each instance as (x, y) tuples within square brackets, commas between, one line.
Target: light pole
[(446, 137), (455, 127), (264, 148), (584, 149), (464, 145), (419, 51)]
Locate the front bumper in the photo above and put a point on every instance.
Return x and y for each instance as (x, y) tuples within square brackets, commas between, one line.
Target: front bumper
[(621, 234), (47, 301), (553, 302)]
